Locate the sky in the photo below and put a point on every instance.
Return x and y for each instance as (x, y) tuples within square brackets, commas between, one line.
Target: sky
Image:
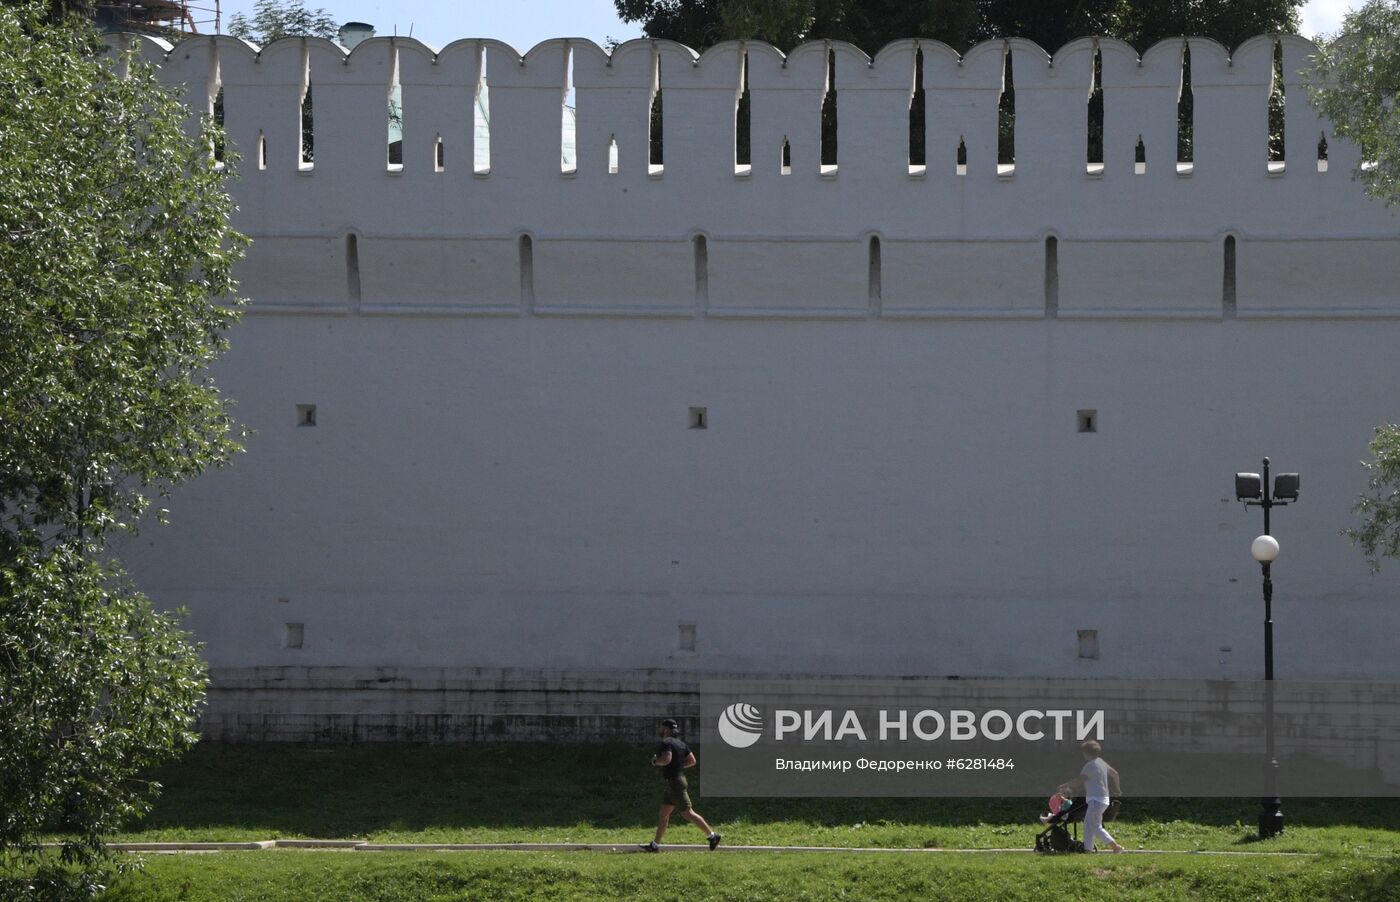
[(520, 23), (1324, 16), (524, 23)]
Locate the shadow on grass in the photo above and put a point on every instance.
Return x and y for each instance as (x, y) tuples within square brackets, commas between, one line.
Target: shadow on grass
[(348, 791)]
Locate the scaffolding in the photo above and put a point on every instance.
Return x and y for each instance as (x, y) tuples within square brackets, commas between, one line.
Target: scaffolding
[(160, 17)]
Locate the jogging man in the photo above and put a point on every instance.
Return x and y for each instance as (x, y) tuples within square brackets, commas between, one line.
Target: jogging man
[(1094, 779), (673, 756)]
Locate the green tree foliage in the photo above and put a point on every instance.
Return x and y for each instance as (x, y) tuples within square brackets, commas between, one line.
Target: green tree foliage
[(115, 259), (695, 23), (1143, 23), (56, 11), (98, 687), (1379, 535), (1356, 82), (273, 19), (871, 24), (111, 15)]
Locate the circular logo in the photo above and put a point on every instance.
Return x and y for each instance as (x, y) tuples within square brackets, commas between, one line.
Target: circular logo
[(741, 725)]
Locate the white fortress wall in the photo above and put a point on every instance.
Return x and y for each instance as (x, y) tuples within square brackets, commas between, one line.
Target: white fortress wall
[(502, 487)]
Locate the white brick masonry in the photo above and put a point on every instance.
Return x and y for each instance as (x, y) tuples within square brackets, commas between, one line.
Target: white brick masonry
[(891, 481)]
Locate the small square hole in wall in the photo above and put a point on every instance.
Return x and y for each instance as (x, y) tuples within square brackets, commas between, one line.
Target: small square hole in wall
[(699, 418), (1088, 420), (293, 635), (685, 637), (1088, 643), (306, 414)]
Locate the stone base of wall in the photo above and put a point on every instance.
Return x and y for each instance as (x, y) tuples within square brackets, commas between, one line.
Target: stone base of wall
[(397, 704), (353, 704)]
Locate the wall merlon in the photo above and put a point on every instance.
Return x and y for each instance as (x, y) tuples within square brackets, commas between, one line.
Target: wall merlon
[(138, 46), (1210, 63), (1252, 63)]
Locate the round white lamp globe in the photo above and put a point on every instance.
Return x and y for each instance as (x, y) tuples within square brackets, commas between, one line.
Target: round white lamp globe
[(1264, 549)]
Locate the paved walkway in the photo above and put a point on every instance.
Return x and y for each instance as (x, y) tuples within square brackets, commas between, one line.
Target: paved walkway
[(352, 845)]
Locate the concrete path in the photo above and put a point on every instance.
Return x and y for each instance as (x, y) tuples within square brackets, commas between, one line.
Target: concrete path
[(352, 845)]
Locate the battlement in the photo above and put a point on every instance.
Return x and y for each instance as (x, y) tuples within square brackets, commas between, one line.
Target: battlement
[(874, 232)]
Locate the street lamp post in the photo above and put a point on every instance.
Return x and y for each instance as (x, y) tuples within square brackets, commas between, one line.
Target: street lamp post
[(1251, 489)]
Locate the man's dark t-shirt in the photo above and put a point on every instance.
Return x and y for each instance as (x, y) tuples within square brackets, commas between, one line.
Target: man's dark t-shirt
[(679, 753)]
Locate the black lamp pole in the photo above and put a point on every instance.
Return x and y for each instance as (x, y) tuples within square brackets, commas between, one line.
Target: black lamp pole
[(1271, 815), (1283, 490), (1250, 489)]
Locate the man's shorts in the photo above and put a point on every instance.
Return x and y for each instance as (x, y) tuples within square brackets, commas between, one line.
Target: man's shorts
[(676, 793)]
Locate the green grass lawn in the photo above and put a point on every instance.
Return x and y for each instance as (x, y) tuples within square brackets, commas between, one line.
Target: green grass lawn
[(607, 793), (414, 877)]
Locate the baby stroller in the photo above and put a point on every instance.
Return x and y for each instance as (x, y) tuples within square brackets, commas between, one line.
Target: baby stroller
[(1061, 833)]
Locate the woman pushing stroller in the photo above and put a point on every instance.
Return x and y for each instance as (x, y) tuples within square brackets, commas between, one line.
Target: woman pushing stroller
[(1095, 779)]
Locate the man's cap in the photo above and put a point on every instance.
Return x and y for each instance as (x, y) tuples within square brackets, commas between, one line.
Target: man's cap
[(670, 723)]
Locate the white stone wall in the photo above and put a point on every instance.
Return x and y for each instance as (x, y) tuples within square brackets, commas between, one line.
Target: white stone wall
[(892, 481)]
